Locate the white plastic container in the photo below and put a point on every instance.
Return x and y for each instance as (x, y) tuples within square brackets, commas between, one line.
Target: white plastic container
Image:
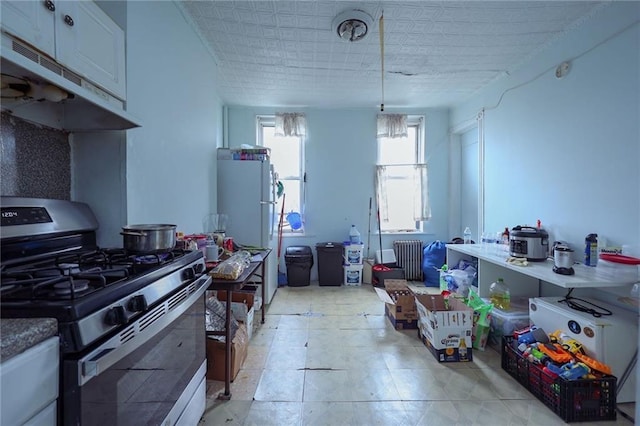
[(354, 235), (352, 274), (353, 254)]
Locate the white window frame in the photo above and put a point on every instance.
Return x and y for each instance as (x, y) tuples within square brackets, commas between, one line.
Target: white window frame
[(270, 121), (417, 121)]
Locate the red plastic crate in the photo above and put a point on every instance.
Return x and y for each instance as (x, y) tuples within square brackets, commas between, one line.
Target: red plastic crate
[(573, 400)]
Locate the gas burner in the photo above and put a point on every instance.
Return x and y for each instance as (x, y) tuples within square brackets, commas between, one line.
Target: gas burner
[(69, 268), (71, 287), (152, 259)]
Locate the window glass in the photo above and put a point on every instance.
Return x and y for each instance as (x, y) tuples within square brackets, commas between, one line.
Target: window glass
[(287, 154), (400, 198)]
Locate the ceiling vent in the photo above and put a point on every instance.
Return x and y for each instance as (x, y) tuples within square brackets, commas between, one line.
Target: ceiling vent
[(352, 25)]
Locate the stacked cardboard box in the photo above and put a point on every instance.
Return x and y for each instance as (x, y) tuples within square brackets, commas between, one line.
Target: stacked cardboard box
[(399, 304), (242, 308), (216, 354)]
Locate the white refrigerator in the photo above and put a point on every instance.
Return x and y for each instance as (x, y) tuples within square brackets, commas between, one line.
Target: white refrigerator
[(246, 193)]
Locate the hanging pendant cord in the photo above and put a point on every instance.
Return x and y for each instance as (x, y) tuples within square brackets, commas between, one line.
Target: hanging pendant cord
[(382, 57)]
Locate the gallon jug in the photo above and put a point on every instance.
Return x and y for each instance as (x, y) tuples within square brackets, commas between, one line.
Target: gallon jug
[(354, 235), (499, 295)]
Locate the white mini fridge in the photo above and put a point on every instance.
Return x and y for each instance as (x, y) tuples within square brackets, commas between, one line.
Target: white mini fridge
[(246, 193), (611, 339)]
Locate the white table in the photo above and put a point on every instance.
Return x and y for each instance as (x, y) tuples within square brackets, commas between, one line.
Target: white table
[(526, 280)]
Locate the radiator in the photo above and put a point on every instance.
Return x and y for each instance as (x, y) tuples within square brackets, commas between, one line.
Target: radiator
[(409, 257)]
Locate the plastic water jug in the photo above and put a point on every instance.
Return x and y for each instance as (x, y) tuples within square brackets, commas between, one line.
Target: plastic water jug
[(354, 235)]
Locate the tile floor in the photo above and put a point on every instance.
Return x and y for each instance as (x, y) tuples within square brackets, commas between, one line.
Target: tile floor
[(328, 356)]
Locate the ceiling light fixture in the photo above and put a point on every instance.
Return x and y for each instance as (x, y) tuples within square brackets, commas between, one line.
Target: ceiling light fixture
[(352, 25)]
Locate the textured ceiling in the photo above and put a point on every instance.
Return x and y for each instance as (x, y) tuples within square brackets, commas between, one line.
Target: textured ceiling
[(436, 53)]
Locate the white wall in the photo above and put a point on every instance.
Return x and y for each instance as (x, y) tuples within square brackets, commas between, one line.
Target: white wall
[(340, 159), (566, 151), (170, 174)]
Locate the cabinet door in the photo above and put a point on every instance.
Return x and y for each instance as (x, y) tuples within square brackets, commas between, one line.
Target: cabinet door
[(30, 21), (91, 44)]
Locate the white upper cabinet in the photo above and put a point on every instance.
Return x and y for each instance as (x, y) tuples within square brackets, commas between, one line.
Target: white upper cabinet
[(91, 44), (31, 21), (78, 35)]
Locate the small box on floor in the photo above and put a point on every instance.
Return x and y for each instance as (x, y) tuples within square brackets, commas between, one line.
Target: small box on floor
[(445, 330), (216, 354), (399, 304)]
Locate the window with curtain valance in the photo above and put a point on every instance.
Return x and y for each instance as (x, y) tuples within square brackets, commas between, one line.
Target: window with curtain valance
[(401, 174), (290, 124)]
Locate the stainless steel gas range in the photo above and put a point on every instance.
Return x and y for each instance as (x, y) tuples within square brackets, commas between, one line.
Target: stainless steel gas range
[(132, 325)]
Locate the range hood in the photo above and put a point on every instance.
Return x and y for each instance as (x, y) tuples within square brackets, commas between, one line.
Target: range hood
[(89, 109)]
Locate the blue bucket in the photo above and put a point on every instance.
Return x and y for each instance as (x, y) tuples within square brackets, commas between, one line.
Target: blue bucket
[(294, 220)]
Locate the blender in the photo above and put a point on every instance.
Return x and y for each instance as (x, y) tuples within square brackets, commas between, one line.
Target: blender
[(562, 258)]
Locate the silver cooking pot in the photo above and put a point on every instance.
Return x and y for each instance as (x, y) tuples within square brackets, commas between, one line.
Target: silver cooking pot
[(149, 238)]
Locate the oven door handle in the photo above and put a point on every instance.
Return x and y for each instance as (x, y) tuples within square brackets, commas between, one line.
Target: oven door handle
[(143, 329)]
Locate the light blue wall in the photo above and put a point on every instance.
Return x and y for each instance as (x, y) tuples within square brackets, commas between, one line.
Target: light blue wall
[(566, 151), (340, 159), (164, 171), (172, 88)]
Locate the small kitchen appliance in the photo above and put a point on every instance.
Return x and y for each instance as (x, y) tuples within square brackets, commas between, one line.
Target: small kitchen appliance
[(562, 258), (529, 242), (131, 323)]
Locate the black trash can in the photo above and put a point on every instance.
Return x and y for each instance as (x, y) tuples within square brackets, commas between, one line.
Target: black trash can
[(299, 260), (329, 263)]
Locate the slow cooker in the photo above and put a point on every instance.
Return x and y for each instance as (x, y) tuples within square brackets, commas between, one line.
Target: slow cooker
[(529, 242)]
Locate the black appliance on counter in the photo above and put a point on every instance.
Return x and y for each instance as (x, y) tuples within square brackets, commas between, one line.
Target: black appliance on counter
[(131, 325)]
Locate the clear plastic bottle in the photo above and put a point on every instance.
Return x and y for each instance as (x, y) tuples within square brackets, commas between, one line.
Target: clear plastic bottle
[(467, 235), (354, 235), (499, 295)]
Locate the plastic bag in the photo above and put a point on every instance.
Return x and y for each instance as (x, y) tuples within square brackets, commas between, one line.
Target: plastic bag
[(481, 320), (460, 278), (433, 257), (215, 316), (233, 267)]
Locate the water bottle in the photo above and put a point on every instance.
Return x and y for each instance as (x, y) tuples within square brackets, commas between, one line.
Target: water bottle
[(354, 235), (500, 295), (467, 235)]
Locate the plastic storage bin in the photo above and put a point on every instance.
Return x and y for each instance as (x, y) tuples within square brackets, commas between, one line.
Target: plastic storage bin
[(352, 274), (329, 263), (353, 254), (299, 260), (505, 322)]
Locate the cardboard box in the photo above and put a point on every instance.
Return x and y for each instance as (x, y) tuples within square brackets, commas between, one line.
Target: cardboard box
[(446, 332), (242, 308), (367, 273), (399, 304), (216, 354)]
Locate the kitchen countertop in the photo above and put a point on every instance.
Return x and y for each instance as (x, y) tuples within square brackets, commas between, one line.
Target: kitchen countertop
[(19, 334)]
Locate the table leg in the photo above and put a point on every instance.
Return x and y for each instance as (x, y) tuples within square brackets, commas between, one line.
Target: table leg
[(264, 283), (227, 346)]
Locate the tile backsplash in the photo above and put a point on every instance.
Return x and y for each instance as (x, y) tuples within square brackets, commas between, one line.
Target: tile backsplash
[(36, 161)]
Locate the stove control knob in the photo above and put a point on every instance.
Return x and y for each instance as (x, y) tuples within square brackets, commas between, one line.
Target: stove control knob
[(188, 274), (115, 316), (138, 303), (199, 267)]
